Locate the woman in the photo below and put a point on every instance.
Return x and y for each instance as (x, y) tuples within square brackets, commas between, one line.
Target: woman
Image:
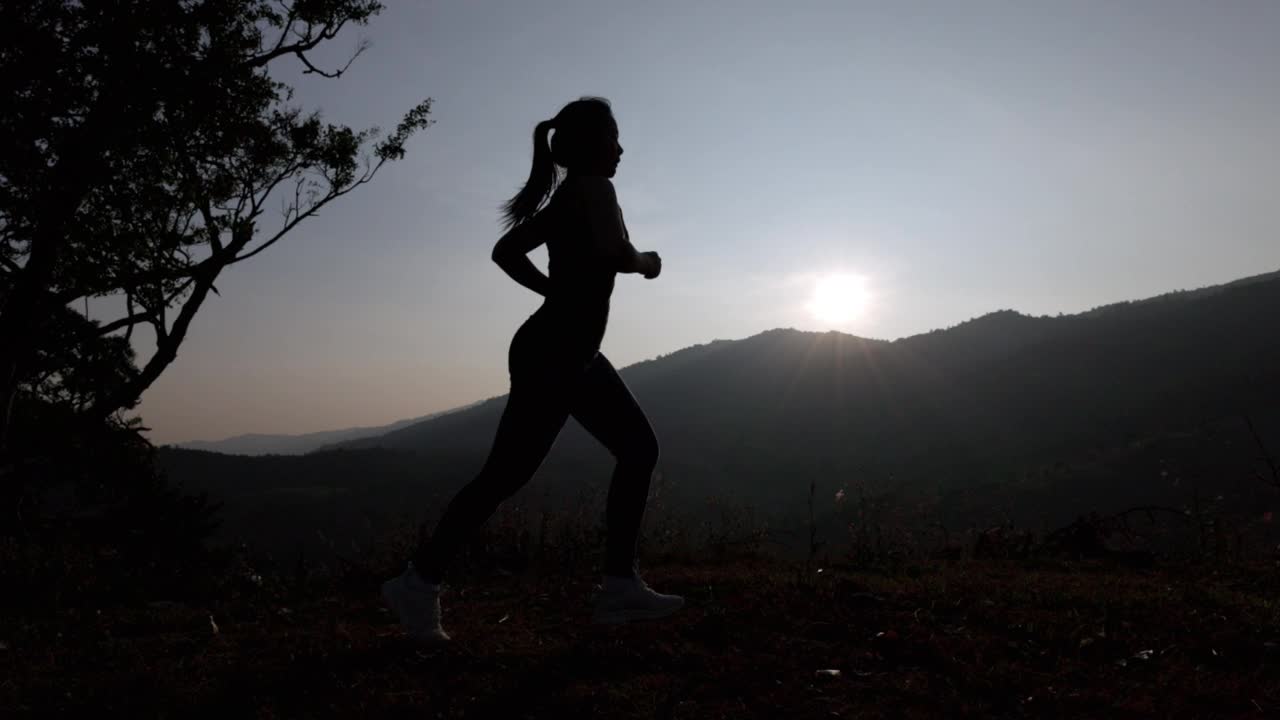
[(556, 368)]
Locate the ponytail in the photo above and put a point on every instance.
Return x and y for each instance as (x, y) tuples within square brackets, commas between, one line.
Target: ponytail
[(570, 123), (543, 178)]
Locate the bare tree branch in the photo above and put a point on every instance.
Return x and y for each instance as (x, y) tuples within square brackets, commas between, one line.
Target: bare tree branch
[(128, 308), (329, 197), (312, 69), (167, 343), (158, 326), (290, 170), (290, 17), (133, 318), (306, 42), (127, 321), (211, 226)]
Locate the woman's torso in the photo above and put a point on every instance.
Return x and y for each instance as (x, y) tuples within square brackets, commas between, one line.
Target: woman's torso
[(571, 322)]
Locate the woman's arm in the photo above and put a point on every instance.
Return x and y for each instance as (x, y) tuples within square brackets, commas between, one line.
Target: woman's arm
[(610, 233), (511, 253)]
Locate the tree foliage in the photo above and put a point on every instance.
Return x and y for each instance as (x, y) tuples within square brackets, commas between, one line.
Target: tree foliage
[(148, 148)]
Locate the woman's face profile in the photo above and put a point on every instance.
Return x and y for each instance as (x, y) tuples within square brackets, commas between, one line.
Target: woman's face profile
[(602, 150)]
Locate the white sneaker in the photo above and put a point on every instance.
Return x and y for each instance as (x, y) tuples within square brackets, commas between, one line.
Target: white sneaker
[(417, 603), (622, 600)]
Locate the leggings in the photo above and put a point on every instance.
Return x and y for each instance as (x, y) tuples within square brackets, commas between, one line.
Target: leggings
[(545, 391)]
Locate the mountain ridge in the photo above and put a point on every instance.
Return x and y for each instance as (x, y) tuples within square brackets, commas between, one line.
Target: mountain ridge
[(253, 444), (1003, 385), (1002, 416), (994, 322)]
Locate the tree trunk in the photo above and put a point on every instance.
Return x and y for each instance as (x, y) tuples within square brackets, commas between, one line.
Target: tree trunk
[(26, 305), (20, 317)]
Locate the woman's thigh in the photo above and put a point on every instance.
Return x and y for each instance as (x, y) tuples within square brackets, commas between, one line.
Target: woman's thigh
[(604, 405), (530, 424)]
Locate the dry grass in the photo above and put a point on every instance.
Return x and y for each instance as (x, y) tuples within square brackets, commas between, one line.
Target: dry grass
[(961, 639)]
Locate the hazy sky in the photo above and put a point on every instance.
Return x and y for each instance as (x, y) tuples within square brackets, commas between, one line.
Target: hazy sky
[(961, 157)]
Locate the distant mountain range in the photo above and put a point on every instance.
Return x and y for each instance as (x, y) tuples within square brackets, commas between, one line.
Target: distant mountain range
[(998, 415), (991, 392), (268, 444)]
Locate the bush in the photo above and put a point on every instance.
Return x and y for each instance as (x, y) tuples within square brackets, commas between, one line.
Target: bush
[(94, 519)]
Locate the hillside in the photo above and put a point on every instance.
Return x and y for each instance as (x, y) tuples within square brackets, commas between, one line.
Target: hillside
[(282, 444), (975, 408), (989, 394)]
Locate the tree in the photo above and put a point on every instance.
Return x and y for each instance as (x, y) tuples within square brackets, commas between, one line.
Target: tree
[(146, 143)]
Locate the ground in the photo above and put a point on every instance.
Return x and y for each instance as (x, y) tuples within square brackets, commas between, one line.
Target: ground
[(758, 638)]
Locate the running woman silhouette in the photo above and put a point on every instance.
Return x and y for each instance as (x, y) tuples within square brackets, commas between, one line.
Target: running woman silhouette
[(557, 369)]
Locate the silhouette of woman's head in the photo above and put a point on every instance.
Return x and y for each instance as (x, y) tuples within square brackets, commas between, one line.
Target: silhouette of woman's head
[(585, 142)]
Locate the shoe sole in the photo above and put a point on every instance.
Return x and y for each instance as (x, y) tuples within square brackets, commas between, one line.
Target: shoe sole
[(390, 597), (620, 617)]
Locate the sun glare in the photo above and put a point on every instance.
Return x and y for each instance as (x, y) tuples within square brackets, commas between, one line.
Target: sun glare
[(839, 298)]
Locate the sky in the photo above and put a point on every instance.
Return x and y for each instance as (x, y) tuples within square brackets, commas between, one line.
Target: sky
[(954, 158)]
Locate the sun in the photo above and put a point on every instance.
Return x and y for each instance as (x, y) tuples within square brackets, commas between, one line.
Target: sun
[(839, 298)]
